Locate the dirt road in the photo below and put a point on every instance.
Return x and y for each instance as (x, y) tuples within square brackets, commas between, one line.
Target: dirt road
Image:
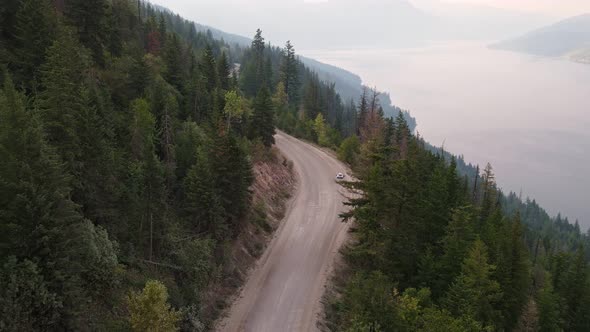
[(283, 291)]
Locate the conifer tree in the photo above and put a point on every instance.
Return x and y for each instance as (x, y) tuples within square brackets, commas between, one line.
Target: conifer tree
[(208, 69), (363, 111), (289, 73), (174, 63), (549, 313), (146, 181), (488, 191), (575, 289), (262, 123), (40, 223), (62, 102), (202, 202), (223, 72), (513, 273), (456, 244), (89, 18), (35, 26), (253, 72), (474, 293), (232, 172)]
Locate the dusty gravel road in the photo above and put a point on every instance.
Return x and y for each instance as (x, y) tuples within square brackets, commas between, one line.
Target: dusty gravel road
[(284, 290)]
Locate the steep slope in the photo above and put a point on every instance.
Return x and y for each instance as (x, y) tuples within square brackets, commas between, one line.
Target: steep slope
[(558, 39)]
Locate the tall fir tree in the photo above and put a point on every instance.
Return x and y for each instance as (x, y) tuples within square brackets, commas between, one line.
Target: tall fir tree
[(36, 24), (89, 18), (474, 293), (289, 74), (62, 103), (262, 124)]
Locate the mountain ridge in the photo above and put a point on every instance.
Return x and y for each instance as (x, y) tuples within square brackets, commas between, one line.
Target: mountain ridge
[(348, 84), (559, 39)]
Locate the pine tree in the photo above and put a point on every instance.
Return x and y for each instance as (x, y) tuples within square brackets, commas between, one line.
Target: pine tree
[(146, 180), (549, 313), (513, 273), (575, 289), (474, 293), (258, 45), (89, 18), (253, 71), (62, 102), (208, 69), (488, 191), (223, 72), (363, 111), (289, 73), (202, 202), (262, 123), (35, 27), (456, 244), (174, 63), (232, 172), (39, 222)]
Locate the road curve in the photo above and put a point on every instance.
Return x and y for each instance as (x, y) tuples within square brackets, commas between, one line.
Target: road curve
[(284, 290)]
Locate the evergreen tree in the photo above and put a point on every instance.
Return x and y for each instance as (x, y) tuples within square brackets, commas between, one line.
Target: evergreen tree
[(575, 288), (232, 172), (202, 202), (62, 102), (456, 244), (474, 293), (223, 72), (146, 181), (488, 191), (40, 223), (513, 273), (289, 73), (549, 313), (174, 63), (262, 123), (35, 27), (90, 19), (253, 70), (208, 69)]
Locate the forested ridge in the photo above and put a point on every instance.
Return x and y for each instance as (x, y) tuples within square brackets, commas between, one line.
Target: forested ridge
[(436, 251), (127, 140)]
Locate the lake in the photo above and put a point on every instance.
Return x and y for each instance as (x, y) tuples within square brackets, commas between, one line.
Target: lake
[(528, 116)]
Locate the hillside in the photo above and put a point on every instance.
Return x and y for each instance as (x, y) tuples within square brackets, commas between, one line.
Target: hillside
[(348, 85), (139, 181), (559, 39)]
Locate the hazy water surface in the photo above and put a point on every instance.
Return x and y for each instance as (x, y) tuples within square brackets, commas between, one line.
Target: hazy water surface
[(528, 116)]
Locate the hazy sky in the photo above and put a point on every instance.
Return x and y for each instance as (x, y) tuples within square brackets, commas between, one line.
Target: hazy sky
[(551, 7), (313, 24)]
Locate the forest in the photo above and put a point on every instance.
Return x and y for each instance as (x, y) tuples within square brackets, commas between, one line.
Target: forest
[(439, 247), (127, 142)]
